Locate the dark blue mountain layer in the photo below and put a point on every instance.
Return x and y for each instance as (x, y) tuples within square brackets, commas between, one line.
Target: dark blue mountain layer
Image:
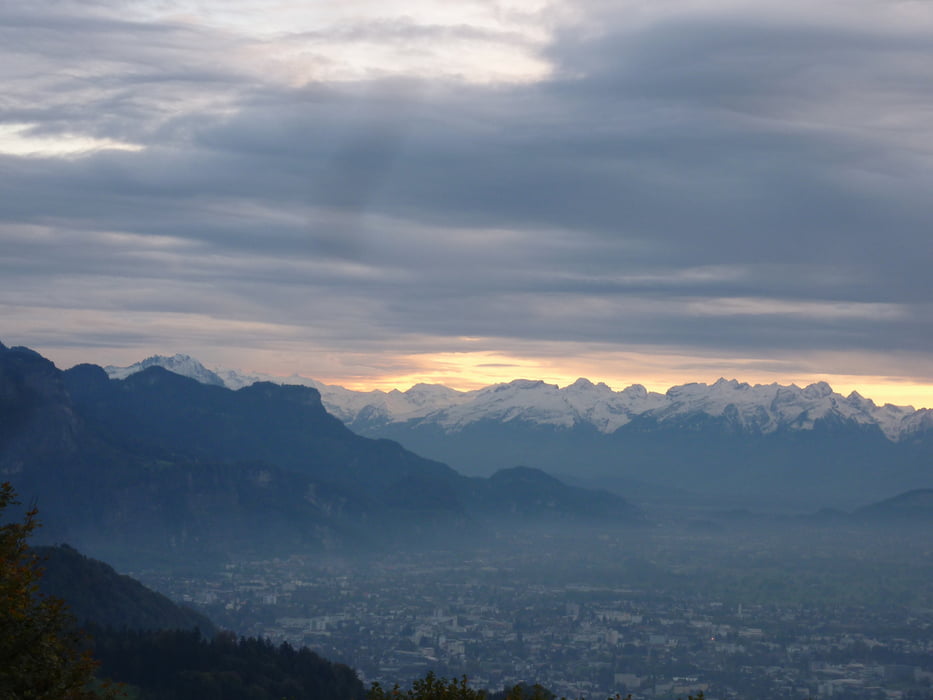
[(837, 463), (159, 465)]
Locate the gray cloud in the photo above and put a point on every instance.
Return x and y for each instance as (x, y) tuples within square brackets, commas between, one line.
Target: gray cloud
[(660, 173)]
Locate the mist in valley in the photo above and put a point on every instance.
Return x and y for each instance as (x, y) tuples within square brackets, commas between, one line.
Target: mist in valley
[(730, 603)]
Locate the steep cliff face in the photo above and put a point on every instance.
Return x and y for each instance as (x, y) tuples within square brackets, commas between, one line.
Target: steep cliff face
[(164, 413)]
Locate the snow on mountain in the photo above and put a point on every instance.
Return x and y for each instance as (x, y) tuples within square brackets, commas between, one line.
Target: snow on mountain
[(184, 365), (547, 404), (345, 404), (761, 408), (349, 405), (917, 422), (236, 379), (390, 406), (768, 407)]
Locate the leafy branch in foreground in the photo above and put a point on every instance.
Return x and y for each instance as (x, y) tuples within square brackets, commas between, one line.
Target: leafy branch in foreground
[(42, 655)]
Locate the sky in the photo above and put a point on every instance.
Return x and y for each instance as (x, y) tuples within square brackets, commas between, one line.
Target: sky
[(378, 193)]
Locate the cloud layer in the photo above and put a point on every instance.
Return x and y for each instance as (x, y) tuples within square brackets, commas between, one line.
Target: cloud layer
[(345, 194)]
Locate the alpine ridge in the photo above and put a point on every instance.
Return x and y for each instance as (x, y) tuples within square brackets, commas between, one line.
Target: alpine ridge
[(756, 409), (728, 443)]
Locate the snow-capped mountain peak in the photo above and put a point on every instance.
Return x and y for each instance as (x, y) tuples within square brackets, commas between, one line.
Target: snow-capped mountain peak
[(184, 365), (759, 408), (818, 390)]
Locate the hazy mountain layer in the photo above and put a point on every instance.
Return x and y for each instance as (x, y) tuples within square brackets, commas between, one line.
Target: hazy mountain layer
[(158, 464), (735, 444)]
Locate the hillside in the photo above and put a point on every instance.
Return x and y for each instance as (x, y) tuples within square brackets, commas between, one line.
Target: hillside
[(98, 595), (185, 665), (911, 507)]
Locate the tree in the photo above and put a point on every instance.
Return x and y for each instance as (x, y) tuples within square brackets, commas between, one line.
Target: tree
[(429, 688), (433, 688), (42, 654)]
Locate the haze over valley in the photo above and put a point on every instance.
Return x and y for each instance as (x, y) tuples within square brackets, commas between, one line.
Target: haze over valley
[(569, 342), (274, 519)]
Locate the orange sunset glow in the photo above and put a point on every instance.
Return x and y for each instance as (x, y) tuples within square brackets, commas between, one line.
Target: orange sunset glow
[(466, 371)]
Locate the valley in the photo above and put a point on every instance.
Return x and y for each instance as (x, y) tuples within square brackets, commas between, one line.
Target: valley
[(771, 612), (697, 571)]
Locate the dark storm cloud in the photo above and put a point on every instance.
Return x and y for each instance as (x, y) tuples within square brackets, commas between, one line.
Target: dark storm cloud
[(708, 181)]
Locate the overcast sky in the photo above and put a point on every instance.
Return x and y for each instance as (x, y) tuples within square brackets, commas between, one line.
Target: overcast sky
[(379, 193)]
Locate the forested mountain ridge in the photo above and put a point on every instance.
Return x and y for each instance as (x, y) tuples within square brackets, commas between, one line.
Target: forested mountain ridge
[(186, 665), (98, 595), (114, 638)]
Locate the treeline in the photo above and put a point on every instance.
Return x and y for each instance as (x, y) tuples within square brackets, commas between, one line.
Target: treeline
[(43, 655), (185, 665), (95, 593)]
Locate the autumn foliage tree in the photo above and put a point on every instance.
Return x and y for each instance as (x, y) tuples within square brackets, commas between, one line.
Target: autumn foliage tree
[(41, 652)]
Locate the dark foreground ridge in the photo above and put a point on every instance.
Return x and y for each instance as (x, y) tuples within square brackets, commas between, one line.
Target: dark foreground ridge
[(185, 665), (159, 467), (133, 635), (97, 595)]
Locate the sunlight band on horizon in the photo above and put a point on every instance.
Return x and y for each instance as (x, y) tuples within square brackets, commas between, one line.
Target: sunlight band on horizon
[(474, 370), (658, 369), (463, 363)]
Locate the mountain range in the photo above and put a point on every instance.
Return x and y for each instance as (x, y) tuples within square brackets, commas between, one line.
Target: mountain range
[(734, 443), (159, 465), (756, 408)]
